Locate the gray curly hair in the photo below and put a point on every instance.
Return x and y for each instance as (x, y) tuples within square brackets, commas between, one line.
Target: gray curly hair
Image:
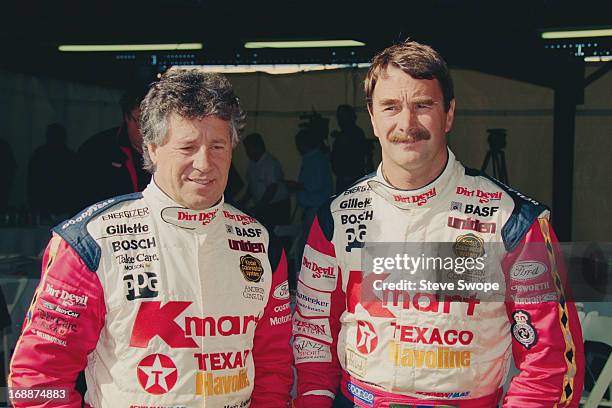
[(190, 93)]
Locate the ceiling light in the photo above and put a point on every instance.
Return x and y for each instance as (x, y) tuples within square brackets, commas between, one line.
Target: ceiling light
[(129, 47), (554, 35), (304, 44), (603, 58), (272, 68)]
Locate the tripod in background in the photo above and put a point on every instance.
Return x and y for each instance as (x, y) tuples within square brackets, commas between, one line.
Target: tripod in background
[(496, 155)]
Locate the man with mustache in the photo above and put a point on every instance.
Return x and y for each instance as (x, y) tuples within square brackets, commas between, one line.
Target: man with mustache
[(357, 344)]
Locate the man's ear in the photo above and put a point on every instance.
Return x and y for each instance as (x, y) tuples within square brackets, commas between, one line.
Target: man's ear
[(372, 119), (450, 116), (152, 149)]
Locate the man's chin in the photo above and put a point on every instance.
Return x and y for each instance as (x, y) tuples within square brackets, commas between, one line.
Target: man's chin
[(199, 202)]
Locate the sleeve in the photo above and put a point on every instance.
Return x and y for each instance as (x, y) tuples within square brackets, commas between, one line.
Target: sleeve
[(547, 340), (271, 346), (316, 322), (61, 328)]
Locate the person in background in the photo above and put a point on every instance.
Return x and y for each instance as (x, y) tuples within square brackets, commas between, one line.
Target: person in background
[(51, 167), (265, 184), (348, 155), (8, 170), (110, 162), (314, 186), (234, 185)]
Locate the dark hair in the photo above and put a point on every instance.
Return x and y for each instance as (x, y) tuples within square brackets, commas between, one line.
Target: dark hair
[(306, 137), (132, 96), (56, 133), (415, 59), (254, 140), (347, 110), (190, 93)]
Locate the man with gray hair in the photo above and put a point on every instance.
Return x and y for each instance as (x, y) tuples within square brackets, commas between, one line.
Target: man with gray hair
[(169, 297)]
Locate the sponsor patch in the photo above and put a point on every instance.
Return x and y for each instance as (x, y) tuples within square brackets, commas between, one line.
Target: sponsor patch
[(128, 229), (59, 309), (222, 361), (157, 374), (357, 189), (49, 338), (209, 384), (281, 292), (186, 218), (472, 224), (276, 320), (154, 319), (140, 285), (251, 268), (310, 351), (241, 218), (456, 206), (355, 237), (87, 213), (245, 232), (282, 308), (355, 363), (522, 329), (469, 246), (481, 211), (483, 196), (312, 303), (419, 199), (246, 246), (527, 270), (253, 292), (130, 244), (66, 298), (367, 339), (359, 393), (316, 328), (318, 270), (118, 215), (128, 259), (355, 203), (56, 324), (357, 218)]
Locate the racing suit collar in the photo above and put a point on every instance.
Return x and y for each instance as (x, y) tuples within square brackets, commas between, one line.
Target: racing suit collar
[(175, 214), (425, 196)]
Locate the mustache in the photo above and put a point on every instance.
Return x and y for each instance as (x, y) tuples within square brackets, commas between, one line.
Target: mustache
[(413, 135)]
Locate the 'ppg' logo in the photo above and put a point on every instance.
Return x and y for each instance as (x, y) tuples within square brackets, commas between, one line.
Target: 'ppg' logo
[(140, 285), (355, 237)]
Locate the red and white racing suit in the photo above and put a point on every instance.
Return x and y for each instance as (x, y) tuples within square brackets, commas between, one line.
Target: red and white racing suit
[(162, 306), (406, 349)]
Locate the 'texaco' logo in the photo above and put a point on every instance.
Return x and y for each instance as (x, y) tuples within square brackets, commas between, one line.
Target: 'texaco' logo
[(157, 374), (367, 340)]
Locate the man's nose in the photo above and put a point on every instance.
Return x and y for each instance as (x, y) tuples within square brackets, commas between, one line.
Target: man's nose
[(407, 119), (201, 160)]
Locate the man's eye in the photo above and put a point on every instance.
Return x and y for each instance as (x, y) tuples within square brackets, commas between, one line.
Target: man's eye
[(390, 109), (424, 106)]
